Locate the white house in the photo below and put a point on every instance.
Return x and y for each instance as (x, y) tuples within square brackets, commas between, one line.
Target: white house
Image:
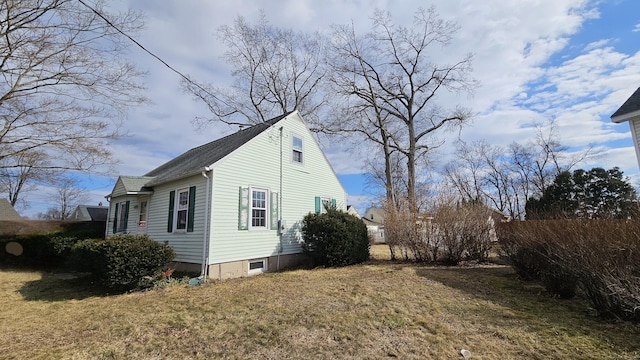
[(232, 207), (630, 111)]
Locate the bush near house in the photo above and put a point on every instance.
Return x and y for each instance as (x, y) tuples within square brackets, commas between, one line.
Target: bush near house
[(335, 238), (43, 244), (599, 257), (121, 262)]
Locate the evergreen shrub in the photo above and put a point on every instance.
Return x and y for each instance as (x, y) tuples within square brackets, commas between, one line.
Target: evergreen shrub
[(335, 238), (122, 262)]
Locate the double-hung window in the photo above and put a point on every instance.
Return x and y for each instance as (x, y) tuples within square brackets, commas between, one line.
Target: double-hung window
[(296, 150), (259, 209), (121, 217), (182, 208)]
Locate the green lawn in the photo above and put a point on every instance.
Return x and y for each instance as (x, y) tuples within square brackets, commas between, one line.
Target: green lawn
[(374, 311)]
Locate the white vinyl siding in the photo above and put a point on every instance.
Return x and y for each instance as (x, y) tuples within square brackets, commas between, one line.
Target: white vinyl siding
[(187, 245), (256, 165)]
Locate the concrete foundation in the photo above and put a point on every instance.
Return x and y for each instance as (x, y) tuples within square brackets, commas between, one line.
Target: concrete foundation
[(247, 267)]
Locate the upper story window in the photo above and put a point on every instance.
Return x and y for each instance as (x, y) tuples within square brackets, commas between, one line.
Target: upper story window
[(259, 208), (297, 150)]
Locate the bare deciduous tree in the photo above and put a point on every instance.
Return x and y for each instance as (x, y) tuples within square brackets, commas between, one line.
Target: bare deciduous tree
[(276, 70), (67, 196), (506, 178), (64, 83), (391, 75), (20, 174)]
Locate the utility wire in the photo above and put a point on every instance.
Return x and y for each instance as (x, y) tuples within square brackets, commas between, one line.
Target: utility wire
[(145, 49)]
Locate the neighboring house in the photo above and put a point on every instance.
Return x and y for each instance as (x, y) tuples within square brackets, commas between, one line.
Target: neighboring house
[(630, 111), (374, 219), (232, 207), (89, 213), (7, 212), (352, 211)]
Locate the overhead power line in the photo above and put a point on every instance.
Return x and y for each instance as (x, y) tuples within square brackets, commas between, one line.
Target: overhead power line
[(145, 49)]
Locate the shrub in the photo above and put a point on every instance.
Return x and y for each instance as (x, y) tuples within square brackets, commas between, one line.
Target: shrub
[(121, 262), (335, 238), (602, 258), (43, 250)]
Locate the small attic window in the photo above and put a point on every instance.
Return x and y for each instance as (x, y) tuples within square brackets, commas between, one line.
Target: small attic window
[(296, 150)]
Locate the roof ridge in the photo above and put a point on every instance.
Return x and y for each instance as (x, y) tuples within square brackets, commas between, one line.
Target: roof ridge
[(194, 159)]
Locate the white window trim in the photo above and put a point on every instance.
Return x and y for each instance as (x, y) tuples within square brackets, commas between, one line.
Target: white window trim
[(300, 149), (257, 271), (266, 208), (143, 222), (323, 200), (122, 205), (175, 211)]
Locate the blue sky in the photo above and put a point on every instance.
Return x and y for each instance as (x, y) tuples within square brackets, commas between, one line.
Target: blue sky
[(572, 60)]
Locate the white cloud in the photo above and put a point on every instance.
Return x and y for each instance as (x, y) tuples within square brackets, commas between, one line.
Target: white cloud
[(512, 42)]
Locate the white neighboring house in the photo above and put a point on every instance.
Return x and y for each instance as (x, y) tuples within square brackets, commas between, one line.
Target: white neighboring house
[(630, 111), (374, 219), (232, 207)]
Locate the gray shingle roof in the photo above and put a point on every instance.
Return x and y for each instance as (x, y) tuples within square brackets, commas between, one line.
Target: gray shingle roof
[(632, 104), (135, 183), (90, 213), (192, 161)]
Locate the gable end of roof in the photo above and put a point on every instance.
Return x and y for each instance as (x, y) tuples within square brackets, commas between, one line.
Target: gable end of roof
[(629, 109), (192, 161)]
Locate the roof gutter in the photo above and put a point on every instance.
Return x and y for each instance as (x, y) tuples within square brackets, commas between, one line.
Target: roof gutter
[(206, 237)]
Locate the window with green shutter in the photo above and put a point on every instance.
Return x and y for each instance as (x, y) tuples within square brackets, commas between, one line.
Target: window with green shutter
[(172, 196), (257, 209), (182, 209)]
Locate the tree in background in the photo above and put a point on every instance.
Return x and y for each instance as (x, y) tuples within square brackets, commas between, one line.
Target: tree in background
[(505, 178), (275, 71), (67, 197), (593, 194), (390, 81), (64, 86)]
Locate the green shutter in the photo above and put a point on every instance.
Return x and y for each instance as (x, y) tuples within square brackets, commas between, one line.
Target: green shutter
[(318, 205), (172, 197), (115, 219), (274, 215), (333, 204), (126, 217), (191, 210), (243, 209)]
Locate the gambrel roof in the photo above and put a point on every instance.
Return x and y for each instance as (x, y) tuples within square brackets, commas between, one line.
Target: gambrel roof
[(628, 110)]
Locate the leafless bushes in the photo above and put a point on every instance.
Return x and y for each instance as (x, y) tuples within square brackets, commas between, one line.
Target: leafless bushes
[(451, 233), (602, 258)]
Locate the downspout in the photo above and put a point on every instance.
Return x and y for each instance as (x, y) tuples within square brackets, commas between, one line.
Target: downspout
[(280, 227), (106, 230), (206, 239)]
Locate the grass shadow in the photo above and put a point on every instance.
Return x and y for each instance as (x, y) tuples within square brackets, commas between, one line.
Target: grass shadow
[(58, 286), (529, 300)]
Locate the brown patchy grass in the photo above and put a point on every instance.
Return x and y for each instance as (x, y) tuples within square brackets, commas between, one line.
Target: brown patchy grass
[(372, 311)]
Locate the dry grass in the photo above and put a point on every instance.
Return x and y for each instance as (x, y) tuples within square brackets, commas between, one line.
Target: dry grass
[(372, 311)]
